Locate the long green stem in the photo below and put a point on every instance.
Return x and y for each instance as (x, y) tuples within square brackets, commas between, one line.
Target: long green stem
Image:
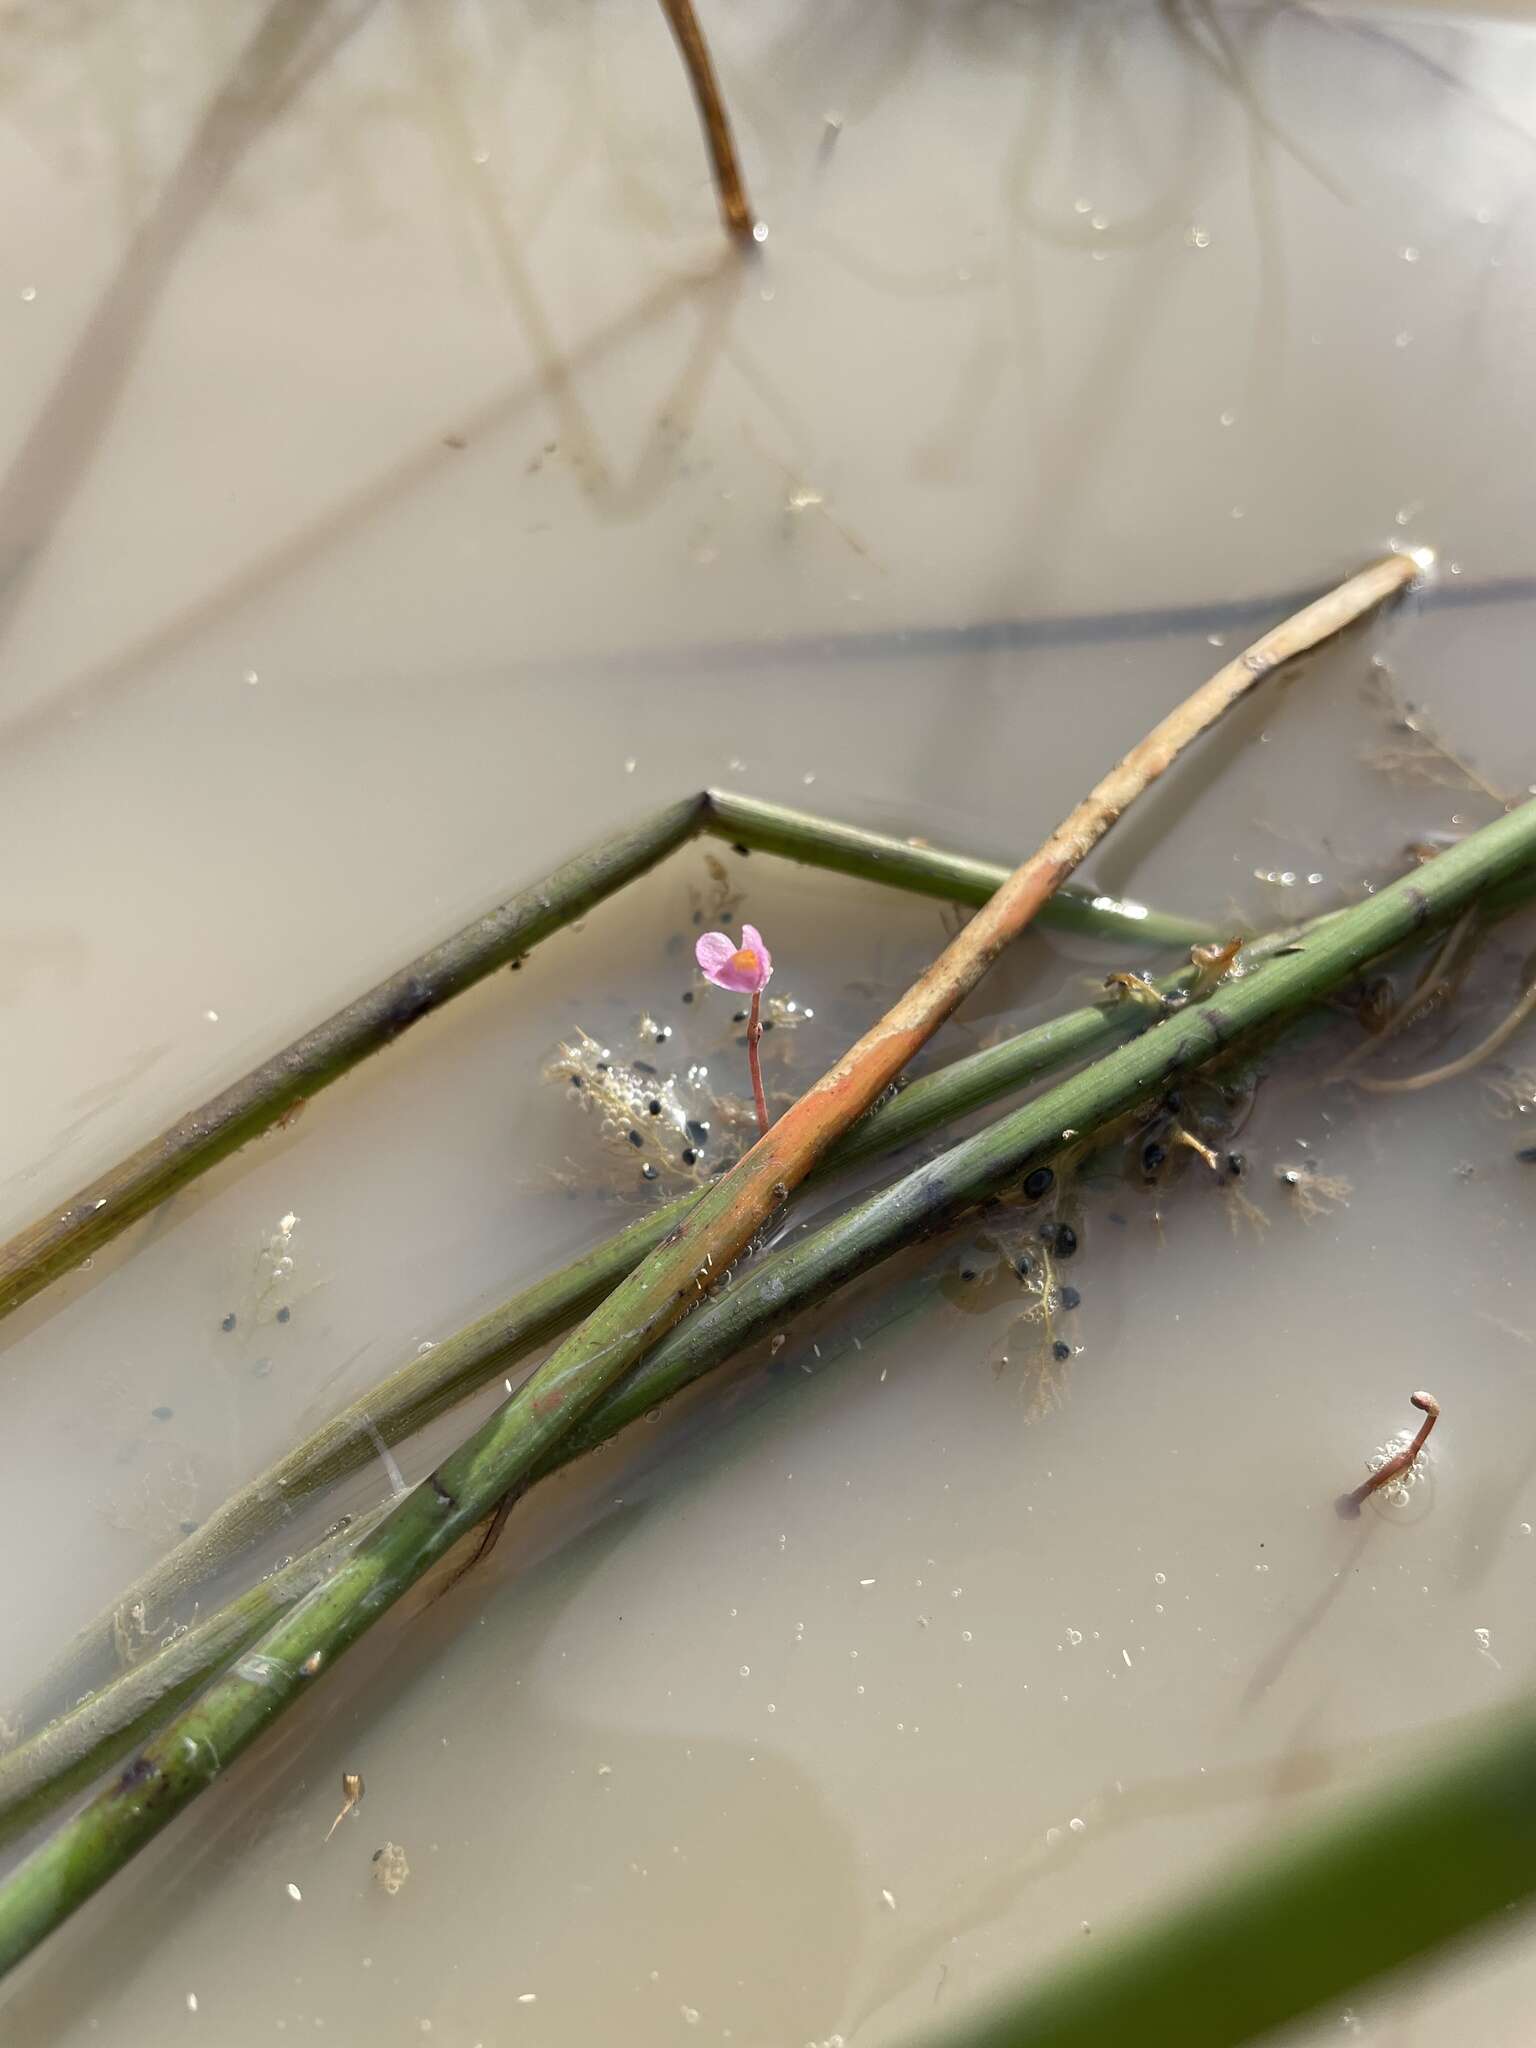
[(75, 1228), (206, 1736), (37, 1774), (1446, 1848), (431, 1382), (70, 1752), (925, 871)]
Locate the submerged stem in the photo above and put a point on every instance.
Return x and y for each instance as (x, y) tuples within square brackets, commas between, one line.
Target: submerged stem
[(1453, 1070)]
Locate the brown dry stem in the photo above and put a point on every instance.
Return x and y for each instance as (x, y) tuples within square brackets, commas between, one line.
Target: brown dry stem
[(735, 209)]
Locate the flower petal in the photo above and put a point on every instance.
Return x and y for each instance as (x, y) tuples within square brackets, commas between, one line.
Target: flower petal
[(752, 938), (714, 951)]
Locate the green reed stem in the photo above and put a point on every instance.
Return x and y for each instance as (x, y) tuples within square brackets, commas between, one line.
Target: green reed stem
[(429, 1383), (924, 871), (91, 1218), (530, 1432), (1446, 1848)]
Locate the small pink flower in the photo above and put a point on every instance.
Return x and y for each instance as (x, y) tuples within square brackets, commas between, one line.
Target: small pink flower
[(745, 968)]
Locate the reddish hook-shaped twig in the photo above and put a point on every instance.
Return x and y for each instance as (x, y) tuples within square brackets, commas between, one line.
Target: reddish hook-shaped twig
[(1351, 1503)]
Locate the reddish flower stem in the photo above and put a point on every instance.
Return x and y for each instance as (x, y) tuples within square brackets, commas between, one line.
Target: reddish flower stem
[(754, 1039), (1351, 1503)]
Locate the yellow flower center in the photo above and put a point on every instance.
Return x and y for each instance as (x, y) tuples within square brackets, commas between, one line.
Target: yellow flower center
[(745, 960)]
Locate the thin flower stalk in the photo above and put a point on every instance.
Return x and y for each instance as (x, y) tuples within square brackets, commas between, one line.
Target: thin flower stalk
[(746, 969)]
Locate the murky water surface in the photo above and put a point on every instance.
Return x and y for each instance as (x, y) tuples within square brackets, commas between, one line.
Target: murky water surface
[(402, 488)]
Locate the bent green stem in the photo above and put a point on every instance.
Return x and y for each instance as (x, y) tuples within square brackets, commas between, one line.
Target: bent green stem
[(70, 1232), (205, 1736), (922, 870)]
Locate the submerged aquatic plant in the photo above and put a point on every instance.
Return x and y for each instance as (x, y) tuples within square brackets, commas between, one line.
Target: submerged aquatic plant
[(746, 969)]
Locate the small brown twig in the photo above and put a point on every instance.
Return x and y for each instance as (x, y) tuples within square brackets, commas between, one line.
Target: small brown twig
[(754, 1040), (1350, 1504), (735, 208)]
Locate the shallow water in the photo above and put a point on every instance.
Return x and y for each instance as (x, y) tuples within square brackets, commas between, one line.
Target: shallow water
[(1081, 343)]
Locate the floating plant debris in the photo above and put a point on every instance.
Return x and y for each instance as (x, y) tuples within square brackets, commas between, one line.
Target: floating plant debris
[(351, 1799)]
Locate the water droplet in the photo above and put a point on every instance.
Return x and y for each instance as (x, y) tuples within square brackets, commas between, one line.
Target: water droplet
[(1525, 1528), (1198, 238), (1484, 1638), (809, 778), (527, 1998), (212, 1016), (965, 1635), (1159, 1578), (1099, 222), (691, 2012), (890, 1899), (1074, 1637), (1401, 339), (251, 677), (630, 765), (1237, 512), (760, 231), (746, 1671), (1077, 1826), (28, 293), (294, 1892), (1215, 639), (1082, 206), (1408, 253), (1227, 419), (191, 2001)]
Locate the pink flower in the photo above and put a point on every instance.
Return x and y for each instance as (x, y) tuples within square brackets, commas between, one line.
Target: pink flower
[(745, 968)]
